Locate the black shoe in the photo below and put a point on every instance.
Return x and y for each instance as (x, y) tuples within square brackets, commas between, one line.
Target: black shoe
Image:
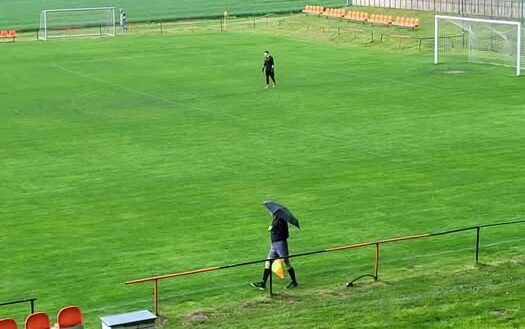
[(291, 285), (258, 285)]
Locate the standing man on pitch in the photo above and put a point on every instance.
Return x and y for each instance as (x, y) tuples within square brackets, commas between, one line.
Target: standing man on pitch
[(269, 68), (123, 23), (278, 249)]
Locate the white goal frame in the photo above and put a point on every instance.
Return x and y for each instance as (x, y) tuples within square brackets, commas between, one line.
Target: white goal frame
[(43, 29), (479, 20)]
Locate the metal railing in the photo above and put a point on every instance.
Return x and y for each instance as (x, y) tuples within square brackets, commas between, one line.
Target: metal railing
[(27, 300), (376, 244)]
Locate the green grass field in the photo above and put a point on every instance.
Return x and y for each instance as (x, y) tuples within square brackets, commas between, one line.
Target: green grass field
[(25, 14), (144, 155)]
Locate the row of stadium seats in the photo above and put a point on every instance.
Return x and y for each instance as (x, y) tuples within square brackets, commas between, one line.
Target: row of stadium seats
[(406, 22), (380, 19), (11, 34), (358, 16), (69, 317), (334, 12), (309, 9), (398, 21)]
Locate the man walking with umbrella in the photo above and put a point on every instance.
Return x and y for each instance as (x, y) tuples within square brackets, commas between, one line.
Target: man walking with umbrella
[(279, 242)]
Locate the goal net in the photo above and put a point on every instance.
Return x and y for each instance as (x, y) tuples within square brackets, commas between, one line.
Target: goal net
[(462, 39), (77, 22)]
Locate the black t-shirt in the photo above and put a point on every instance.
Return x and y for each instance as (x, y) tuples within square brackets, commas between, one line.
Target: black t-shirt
[(268, 63), (279, 229)]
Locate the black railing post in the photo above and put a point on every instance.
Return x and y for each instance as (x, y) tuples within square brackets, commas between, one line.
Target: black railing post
[(376, 267), (156, 296), (477, 245), (30, 300), (270, 288)]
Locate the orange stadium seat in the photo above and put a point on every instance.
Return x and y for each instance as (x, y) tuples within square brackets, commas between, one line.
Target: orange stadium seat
[(8, 323), (352, 15), (70, 317), (406, 22), (39, 320), (3, 35), (12, 34)]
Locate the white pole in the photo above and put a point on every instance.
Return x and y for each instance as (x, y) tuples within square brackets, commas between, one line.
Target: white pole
[(518, 59), (480, 20), (79, 9), (113, 23), (436, 39), (45, 24)]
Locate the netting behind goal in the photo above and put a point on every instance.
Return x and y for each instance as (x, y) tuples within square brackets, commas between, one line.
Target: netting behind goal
[(460, 39), (79, 22)]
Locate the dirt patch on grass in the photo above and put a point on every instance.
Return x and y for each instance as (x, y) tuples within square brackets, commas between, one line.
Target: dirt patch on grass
[(500, 312), (196, 317), (253, 303), (161, 321), (515, 262)]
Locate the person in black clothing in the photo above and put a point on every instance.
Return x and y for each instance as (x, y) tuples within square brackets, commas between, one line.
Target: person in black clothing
[(269, 69), (278, 249)]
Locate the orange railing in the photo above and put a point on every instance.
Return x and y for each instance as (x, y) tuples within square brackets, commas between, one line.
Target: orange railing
[(376, 244)]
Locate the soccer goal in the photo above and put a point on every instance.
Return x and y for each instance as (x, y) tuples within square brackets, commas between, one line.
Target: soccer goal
[(76, 22), (477, 40)]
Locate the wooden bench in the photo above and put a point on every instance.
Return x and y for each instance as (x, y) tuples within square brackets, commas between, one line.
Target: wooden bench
[(398, 38), (355, 32)]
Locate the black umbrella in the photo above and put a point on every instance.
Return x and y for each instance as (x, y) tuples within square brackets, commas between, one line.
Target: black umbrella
[(281, 212)]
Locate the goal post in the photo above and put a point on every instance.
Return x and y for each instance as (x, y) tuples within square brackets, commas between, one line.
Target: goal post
[(76, 22), (477, 40)]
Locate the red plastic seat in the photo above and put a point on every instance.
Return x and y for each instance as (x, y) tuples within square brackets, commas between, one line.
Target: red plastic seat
[(39, 320), (8, 323), (3, 35), (70, 317)]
